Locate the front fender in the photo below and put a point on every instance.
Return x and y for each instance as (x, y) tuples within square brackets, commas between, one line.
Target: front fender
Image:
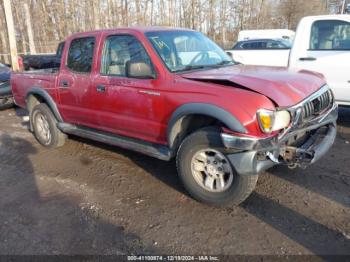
[(203, 109)]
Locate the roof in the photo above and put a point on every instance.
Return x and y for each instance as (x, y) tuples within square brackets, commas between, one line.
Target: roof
[(268, 30), (263, 39), (141, 29), (321, 17)]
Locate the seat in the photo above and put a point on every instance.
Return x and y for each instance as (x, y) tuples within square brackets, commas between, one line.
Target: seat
[(118, 58)]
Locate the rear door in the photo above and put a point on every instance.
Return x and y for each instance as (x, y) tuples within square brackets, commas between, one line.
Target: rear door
[(329, 54), (74, 82)]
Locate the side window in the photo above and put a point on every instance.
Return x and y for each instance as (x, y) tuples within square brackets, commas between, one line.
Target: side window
[(262, 45), (330, 35), (80, 54), (254, 45), (120, 49), (273, 45), (60, 49), (237, 46), (247, 46)]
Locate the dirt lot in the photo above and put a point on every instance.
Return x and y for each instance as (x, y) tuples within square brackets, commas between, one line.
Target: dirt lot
[(88, 198)]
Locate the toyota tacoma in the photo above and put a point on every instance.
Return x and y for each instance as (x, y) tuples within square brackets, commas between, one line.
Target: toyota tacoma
[(173, 93)]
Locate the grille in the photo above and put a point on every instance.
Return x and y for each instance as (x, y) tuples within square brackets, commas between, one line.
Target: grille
[(317, 105)]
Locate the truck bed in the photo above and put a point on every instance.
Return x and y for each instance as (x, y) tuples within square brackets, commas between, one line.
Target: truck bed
[(21, 82)]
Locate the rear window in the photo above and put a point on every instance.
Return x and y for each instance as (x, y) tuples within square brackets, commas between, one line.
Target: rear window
[(330, 35), (80, 54)]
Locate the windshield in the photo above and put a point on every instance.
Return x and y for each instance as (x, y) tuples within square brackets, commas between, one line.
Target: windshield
[(187, 50)]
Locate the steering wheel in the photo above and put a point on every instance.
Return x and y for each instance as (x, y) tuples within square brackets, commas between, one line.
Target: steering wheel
[(198, 57)]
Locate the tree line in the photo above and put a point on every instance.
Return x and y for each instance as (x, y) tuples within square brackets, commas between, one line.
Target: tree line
[(52, 20)]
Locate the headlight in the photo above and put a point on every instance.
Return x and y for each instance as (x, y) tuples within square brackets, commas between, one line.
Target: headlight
[(270, 121)]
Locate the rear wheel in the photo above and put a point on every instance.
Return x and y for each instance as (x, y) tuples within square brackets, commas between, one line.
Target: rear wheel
[(6, 102), (45, 127), (207, 173)]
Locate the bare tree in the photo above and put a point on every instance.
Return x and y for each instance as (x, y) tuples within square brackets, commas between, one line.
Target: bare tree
[(52, 21)]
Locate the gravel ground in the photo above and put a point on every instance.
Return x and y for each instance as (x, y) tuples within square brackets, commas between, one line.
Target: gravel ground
[(89, 198)]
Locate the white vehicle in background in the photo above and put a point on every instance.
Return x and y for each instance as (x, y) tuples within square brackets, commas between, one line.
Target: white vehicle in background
[(321, 44), (255, 52), (266, 34)]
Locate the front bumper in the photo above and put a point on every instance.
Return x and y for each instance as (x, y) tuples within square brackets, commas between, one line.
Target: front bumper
[(252, 156)]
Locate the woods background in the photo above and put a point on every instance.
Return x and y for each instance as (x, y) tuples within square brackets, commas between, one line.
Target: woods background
[(52, 20)]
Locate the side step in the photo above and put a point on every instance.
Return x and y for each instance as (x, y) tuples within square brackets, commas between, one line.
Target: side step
[(158, 151)]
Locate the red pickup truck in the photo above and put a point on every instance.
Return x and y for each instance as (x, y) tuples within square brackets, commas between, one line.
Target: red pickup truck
[(174, 93)]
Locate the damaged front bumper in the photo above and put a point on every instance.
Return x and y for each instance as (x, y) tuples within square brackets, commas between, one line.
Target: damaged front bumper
[(297, 147)]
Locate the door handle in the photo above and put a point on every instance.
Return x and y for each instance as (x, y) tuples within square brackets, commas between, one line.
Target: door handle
[(64, 83), (101, 89), (310, 58)]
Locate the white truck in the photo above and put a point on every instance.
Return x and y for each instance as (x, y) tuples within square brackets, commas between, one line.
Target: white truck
[(321, 44)]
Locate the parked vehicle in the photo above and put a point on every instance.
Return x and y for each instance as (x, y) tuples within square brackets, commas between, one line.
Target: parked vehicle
[(247, 50), (321, 44), (6, 99), (266, 34), (43, 61), (174, 93)]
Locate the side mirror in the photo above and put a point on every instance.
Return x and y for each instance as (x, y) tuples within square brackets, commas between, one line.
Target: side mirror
[(139, 69)]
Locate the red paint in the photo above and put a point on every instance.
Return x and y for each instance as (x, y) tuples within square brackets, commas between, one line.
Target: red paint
[(127, 110)]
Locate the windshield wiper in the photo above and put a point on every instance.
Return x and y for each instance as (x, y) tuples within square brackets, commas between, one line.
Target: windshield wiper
[(224, 62), (194, 67), (191, 67)]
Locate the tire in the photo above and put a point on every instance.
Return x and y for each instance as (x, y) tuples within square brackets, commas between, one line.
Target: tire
[(45, 127), (191, 153), (6, 103)]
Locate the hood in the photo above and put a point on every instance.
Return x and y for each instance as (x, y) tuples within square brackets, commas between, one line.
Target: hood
[(283, 86)]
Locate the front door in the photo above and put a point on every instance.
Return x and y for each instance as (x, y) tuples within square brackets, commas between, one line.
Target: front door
[(329, 54), (127, 105)]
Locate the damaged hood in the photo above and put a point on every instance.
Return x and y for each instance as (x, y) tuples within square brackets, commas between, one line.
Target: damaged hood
[(285, 87)]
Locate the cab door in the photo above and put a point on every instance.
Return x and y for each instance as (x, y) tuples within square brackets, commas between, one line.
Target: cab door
[(126, 105), (75, 81), (329, 54)]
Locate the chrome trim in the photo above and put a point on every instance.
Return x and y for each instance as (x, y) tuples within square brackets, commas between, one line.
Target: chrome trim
[(152, 93), (246, 143), (251, 143), (297, 110), (313, 96)]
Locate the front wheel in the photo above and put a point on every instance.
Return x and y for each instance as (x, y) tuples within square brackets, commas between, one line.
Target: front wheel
[(206, 172)]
